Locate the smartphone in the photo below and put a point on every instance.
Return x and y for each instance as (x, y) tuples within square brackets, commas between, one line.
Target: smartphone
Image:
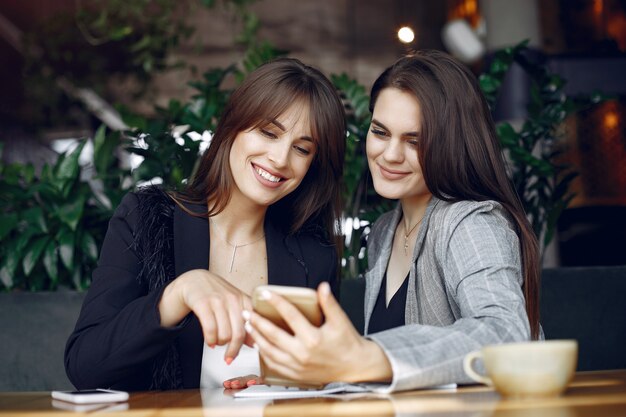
[(92, 396), (85, 408), (305, 300)]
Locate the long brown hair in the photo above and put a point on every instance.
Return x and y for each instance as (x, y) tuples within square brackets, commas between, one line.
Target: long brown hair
[(459, 150), (264, 95)]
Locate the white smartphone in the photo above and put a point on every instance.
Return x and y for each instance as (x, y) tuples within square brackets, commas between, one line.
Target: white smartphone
[(92, 396), (85, 408)]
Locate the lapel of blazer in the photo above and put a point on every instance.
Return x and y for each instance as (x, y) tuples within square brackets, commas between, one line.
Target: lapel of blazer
[(411, 310), (191, 240), (374, 277)]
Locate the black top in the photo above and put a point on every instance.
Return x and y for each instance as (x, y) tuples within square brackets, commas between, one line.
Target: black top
[(387, 317), (118, 340)]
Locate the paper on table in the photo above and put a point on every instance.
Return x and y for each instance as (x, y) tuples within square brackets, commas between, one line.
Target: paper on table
[(277, 392)]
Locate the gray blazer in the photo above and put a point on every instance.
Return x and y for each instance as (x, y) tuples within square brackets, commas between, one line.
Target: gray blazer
[(464, 291)]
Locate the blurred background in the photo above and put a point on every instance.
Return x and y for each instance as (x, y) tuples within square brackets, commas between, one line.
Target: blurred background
[(100, 96)]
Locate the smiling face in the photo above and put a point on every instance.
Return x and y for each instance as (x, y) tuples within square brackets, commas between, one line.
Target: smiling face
[(270, 161), (392, 146)]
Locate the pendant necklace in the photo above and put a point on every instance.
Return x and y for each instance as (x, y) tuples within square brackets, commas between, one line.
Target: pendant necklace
[(406, 235), (234, 246)]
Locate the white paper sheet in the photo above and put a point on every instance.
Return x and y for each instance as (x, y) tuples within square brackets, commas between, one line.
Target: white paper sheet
[(278, 392)]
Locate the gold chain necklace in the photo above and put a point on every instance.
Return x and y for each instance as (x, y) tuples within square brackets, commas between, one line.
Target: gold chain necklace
[(234, 246), (406, 235)]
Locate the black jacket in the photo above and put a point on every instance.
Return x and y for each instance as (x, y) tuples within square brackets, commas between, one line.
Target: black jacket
[(118, 341)]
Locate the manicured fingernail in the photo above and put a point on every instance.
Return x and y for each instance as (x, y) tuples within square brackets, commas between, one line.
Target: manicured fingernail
[(325, 288), (228, 361), (251, 382), (247, 327), (246, 315), (235, 383), (212, 346), (226, 384), (266, 295)]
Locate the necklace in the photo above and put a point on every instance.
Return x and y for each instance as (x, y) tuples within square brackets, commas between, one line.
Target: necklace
[(234, 246), (406, 235)]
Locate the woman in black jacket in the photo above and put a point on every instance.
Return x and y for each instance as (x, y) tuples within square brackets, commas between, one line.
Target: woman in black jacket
[(176, 269)]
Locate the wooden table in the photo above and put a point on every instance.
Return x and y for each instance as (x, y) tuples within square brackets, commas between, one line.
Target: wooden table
[(597, 394)]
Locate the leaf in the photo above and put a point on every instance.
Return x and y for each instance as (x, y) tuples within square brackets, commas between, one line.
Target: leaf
[(7, 224), (66, 247), (6, 274), (76, 278), (508, 136), (146, 153), (563, 185), (10, 262), (67, 167), (50, 261), (120, 33), (104, 150), (33, 252), (500, 65), (89, 246), (29, 173), (489, 84), (35, 219), (71, 213)]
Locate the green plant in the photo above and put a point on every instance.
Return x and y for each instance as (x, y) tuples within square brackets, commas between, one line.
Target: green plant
[(362, 205), (532, 149), (173, 157), (52, 222)]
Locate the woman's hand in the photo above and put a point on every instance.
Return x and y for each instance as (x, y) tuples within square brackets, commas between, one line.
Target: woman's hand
[(333, 352), (216, 303), (243, 382)]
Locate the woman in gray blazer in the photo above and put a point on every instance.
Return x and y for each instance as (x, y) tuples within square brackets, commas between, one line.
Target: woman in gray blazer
[(453, 268)]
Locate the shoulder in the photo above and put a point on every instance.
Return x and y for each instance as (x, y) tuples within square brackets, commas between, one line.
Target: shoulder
[(144, 211), (142, 197), (150, 203), (475, 230), (153, 195), (448, 216)]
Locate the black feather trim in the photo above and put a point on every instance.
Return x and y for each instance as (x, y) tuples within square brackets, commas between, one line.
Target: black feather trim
[(154, 243)]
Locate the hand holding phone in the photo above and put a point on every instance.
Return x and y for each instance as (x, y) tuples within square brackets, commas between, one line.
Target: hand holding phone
[(93, 396), (305, 300)]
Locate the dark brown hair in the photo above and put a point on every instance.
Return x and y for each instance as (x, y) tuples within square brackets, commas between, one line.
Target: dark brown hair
[(264, 95), (459, 150)]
